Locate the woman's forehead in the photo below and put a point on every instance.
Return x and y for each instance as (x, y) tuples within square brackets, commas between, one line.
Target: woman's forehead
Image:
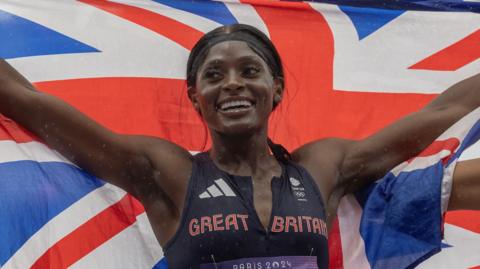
[(229, 50)]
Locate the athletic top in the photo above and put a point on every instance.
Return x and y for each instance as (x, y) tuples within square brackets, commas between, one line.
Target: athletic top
[(220, 228)]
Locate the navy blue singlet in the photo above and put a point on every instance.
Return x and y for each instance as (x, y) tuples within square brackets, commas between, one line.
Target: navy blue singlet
[(220, 228)]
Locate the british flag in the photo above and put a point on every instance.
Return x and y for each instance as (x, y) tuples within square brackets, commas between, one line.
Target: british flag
[(351, 68)]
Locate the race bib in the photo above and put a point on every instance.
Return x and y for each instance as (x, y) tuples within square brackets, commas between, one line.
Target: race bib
[(296, 262)]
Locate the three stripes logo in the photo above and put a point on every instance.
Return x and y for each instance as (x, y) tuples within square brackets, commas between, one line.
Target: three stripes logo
[(219, 188)]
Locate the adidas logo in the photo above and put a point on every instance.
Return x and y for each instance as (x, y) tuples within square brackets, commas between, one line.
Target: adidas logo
[(219, 188)]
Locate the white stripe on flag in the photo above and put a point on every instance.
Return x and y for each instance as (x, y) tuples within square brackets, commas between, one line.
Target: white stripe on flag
[(472, 152), (35, 151), (247, 14), (63, 224), (155, 56), (353, 246), (426, 32), (133, 248), (420, 162), (458, 130), (464, 252), (193, 20)]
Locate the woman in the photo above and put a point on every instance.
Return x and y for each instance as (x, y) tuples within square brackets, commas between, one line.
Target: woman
[(237, 200)]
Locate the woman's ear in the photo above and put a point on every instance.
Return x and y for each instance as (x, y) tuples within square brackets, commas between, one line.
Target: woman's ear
[(278, 88), (192, 95)]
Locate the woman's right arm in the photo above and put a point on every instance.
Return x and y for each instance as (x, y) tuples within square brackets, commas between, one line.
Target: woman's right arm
[(143, 166)]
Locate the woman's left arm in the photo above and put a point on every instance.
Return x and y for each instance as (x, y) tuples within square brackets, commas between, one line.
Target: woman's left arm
[(369, 159), (466, 186)]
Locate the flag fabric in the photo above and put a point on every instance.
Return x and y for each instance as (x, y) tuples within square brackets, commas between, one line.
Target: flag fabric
[(397, 222), (351, 68)]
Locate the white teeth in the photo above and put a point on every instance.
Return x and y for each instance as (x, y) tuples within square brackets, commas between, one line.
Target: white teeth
[(234, 104)]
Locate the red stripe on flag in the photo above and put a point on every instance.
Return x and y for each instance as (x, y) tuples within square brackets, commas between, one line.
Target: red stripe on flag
[(311, 109), (277, 4), (91, 234), (466, 219), (9, 130), (476, 267), (181, 33), (453, 57), (335, 247), (149, 106), (449, 144)]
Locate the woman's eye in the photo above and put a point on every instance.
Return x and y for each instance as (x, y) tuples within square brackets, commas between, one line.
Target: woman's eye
[(251, 71), (212, 74)]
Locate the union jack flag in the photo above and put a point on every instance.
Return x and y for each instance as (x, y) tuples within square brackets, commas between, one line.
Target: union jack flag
[(351, 68)]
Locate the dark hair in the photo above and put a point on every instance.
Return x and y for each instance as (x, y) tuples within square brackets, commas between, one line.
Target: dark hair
[(257, 41)]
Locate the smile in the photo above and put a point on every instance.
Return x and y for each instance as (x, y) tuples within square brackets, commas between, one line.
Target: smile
[(235, 105)]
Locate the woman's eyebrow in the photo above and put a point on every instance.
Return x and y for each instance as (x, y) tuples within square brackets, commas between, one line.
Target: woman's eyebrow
[(254, 58), (213, 62), (242, 59)]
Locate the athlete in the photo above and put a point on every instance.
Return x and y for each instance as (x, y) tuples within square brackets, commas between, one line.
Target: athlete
[(238, 202)]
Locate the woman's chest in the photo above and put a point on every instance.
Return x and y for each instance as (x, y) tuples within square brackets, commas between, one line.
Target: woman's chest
[(239, 205), (231, 217), (225, 225)]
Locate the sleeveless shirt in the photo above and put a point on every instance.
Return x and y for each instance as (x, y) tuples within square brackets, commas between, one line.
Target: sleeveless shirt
[(219, 227)]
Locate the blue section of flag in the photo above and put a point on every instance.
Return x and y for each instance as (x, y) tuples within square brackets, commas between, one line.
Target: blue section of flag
[(32, 194), (428, 5), (445, 245), (213, 10), (401, 222), (369, 20), (162, 264), (21, 38)]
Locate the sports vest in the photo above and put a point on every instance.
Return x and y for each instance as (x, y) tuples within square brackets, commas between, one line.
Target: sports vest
[(220, 228)]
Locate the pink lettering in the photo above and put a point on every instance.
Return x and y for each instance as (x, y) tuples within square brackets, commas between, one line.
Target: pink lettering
[(295, 224), (291, 222), (300, 224), (193, 227), (307, 219), (316, 226), (324, 228), (205, 222), (217, 222), (231, 220), (277, 225), (244, 221), (320, 227)]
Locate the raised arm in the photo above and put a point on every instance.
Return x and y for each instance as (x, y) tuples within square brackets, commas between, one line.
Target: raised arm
[(371, 158), (139, 165), (345, 165)]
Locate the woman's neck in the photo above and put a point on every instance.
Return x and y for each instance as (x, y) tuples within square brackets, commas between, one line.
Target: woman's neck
[(241, 155)]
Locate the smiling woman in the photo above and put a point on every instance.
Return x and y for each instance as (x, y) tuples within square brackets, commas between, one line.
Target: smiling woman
[(238, 204), (219, 91)]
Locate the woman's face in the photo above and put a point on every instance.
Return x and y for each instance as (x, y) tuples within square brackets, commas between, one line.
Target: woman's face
[(235, 89)]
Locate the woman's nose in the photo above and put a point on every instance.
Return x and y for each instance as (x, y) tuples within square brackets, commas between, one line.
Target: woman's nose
[(233, 81)]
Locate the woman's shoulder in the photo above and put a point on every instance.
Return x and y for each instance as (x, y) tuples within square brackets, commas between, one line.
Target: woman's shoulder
[(326, 150), (323, 160)]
